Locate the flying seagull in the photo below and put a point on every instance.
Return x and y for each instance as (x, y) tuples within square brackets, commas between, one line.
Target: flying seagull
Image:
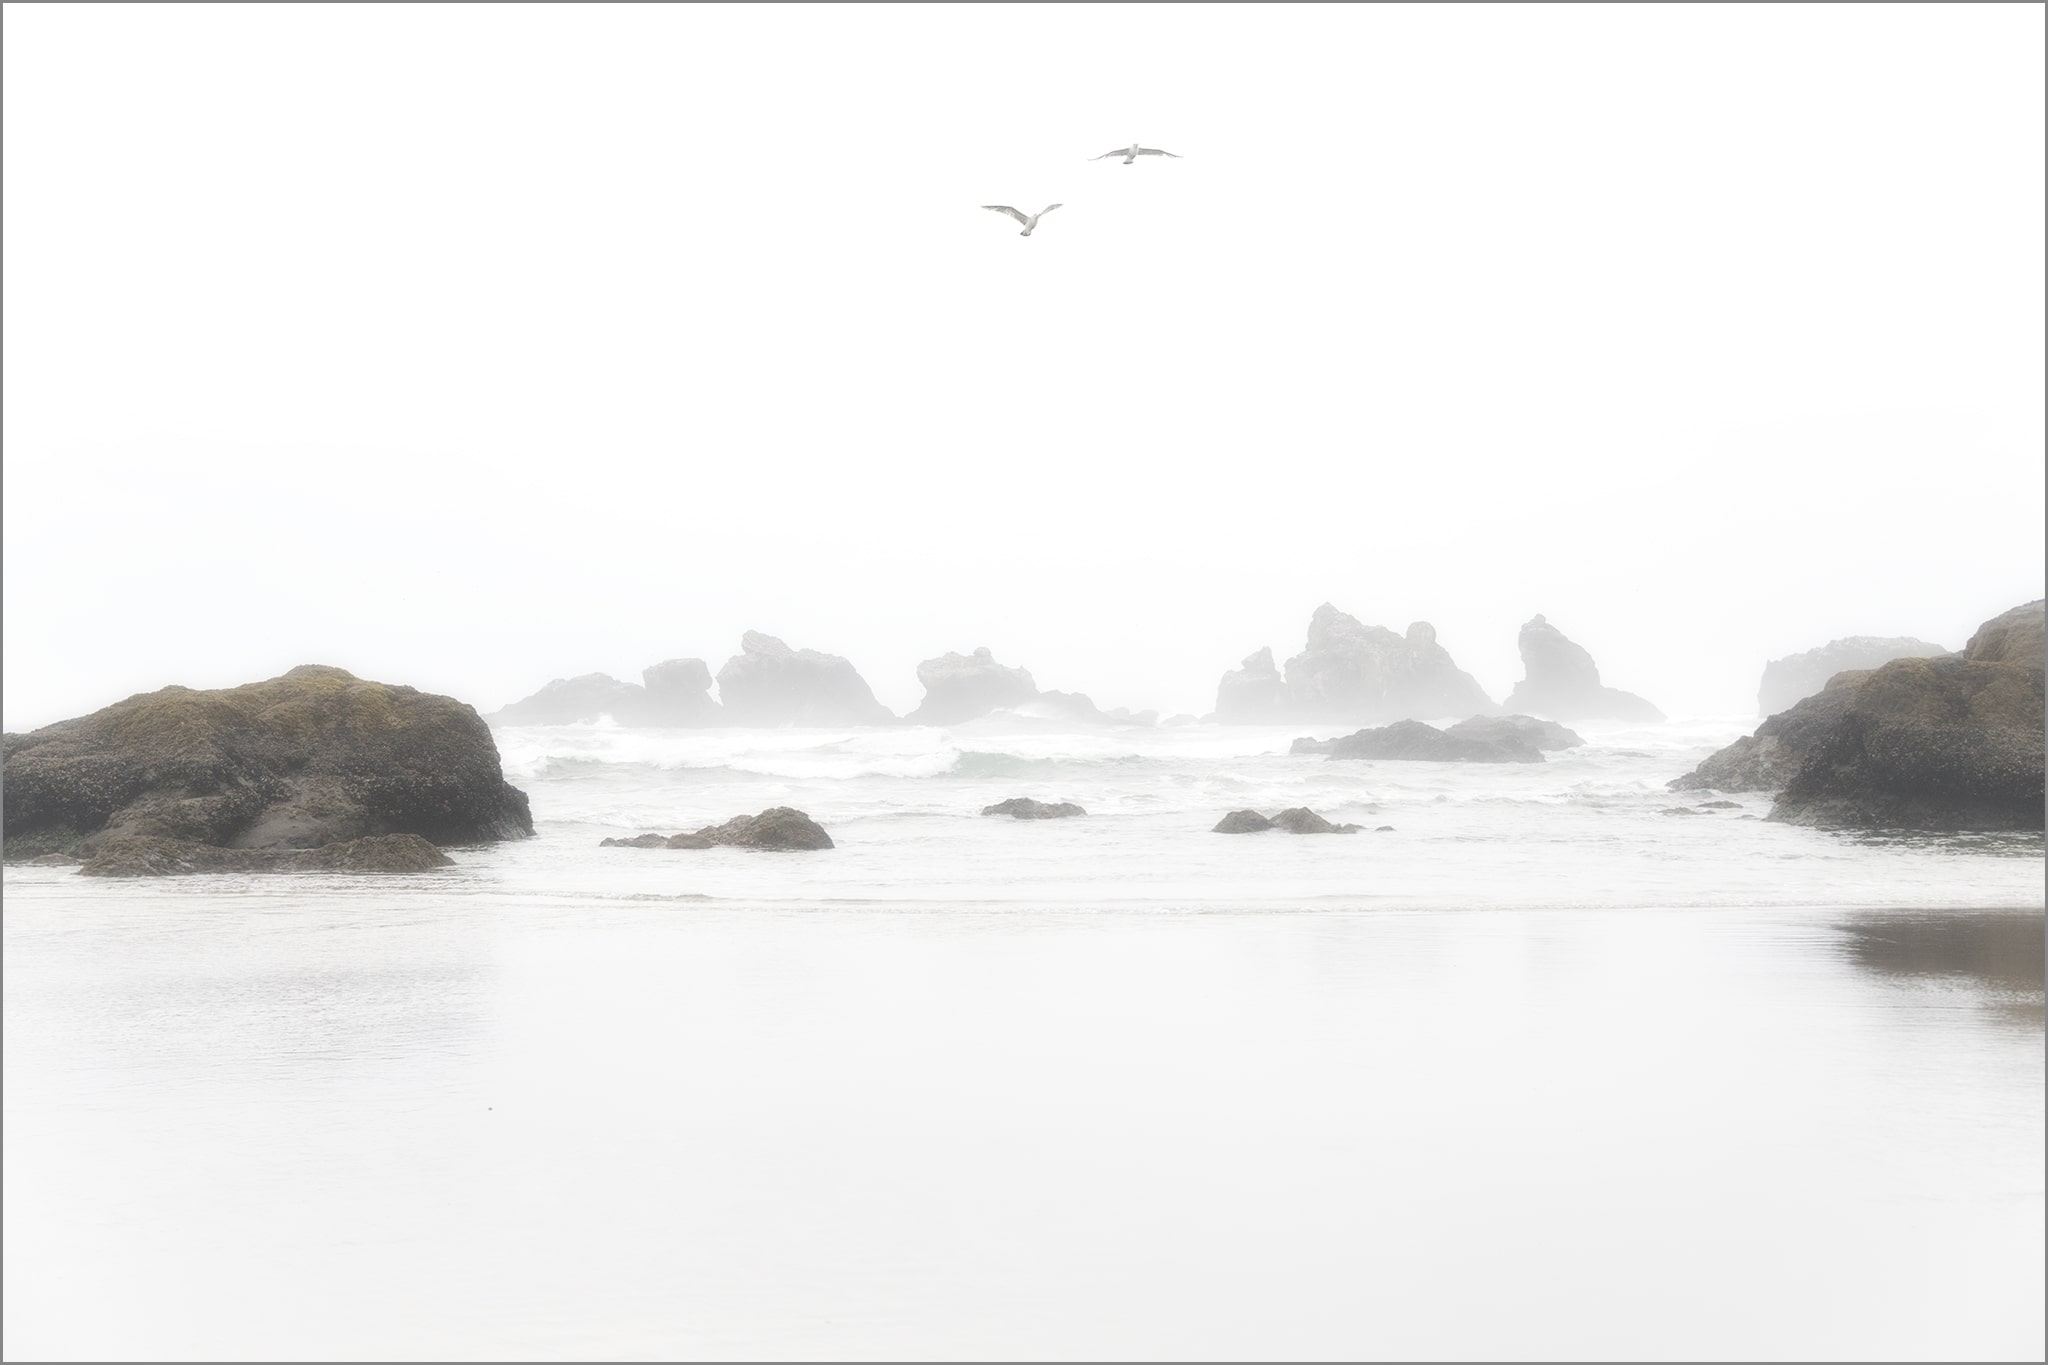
[(1133, 152), (1029, 222)]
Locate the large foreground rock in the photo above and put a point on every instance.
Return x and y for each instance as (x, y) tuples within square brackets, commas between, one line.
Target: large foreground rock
[(1799, 676), (1352, 672), (149, 855), (768, 683), (315, 757), (779, 827), (1950, 743), (1563, 683), (677, 692), (1412, 740)]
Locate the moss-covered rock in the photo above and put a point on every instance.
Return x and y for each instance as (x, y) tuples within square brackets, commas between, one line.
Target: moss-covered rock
[(312, 758), (150, 855)]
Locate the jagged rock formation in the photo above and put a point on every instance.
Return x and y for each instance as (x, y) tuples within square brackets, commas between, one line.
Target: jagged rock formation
[(1538, 734), (1563, 683), (315, 757), (1024, 808), (1798, 676), (1412, 740), (149, 855), (768, 683), (677, 692), (960, 687), (1295, 820), (1351, 672), (1253, 693), (1949, 743), (779, 827)]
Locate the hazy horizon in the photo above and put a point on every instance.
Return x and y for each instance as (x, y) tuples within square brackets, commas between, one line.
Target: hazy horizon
[(469, 348)]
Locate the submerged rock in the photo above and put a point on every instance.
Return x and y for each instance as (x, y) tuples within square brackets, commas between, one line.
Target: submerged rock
[(1414, 741), (1024, 808), (1799, 676), (1563, 683), (149, 855), (779, 827), (770, 684), (1295, 820), (315, 757)]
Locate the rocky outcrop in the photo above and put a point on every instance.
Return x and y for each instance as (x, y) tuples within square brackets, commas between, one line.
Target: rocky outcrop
[(779, 827), (770, 684), (149, 855), (1352, 672), (1537, 734), (315, 757), (2015, 637), (1798, 676), (1414, 741), (677, 693), (1024, 808), (1296, 820), (1949, 743), (1253, 693), (960, 687), (1563, 683)]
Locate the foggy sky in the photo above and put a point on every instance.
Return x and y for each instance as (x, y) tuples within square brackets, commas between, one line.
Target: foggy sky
[(470, 347)]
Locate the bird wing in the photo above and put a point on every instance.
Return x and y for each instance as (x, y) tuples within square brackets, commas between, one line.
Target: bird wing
[(1005, 208), (1154, 151), (1047, 209), (1121, 151)]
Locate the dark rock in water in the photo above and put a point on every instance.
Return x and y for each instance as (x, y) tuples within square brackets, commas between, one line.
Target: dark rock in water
[(1024, 808), (1242, 822), (1681, 810), (678, 692), (2015, 637), (768, 683), (960, 687), (1254, 693), (1929, 744), (1537, 734), (1297, 820), (779, 827), (1412, 740), (55, 860), (1384, 829), (312, 758), (1564, 684), (149, 855), (1947, 743), (637, 841), (1302, 820), (1799, 676), (1718, 805)]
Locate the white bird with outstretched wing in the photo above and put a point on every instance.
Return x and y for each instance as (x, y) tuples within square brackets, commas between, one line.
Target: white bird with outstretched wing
[(1133, 152), (1029, 221)]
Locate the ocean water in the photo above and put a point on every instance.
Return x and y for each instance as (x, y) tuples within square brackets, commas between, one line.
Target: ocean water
[(1540, 1072)]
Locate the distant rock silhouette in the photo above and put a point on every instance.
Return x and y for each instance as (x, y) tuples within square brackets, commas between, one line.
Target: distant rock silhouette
[(1798, 676), (1352, 672), (677, 693), (959, 687), (1564, 684), (768, 683)]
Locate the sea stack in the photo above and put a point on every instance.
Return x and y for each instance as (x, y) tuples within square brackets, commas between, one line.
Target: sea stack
[(1563, 683)]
